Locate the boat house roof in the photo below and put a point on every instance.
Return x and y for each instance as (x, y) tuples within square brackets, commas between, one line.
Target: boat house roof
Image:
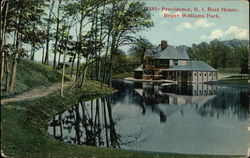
[(193, 65), (171, 52)]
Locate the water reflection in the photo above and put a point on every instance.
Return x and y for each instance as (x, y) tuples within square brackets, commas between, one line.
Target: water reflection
[(228, 101), (160, 118), (88, 123)]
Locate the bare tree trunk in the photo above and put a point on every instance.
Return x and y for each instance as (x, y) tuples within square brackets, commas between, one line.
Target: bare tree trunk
[(63, 72), (3, 36), (57, 32), (72, 66), (85, 69), (105, 60), (79, 48), (59, 58), (46, 61), (43, 55), (113, 51), (14, 66), (64, 61), (6, 70)]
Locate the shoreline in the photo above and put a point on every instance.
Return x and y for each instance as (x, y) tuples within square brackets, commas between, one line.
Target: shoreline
[(30, 119)]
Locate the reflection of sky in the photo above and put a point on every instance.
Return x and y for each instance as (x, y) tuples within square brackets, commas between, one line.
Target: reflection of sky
[(215, 126), (183, 133), (186, 130)]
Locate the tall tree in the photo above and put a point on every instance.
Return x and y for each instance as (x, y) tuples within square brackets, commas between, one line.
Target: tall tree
[(49, 22), (127, 18), (3, 19), (21, 16), (57, 32)]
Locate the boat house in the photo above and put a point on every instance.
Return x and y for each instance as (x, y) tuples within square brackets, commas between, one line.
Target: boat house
[(172, 63)]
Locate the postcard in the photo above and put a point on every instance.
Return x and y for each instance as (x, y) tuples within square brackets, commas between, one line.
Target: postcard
[(125, 78)]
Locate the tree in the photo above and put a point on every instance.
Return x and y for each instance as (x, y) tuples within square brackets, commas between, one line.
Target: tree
[(139, 49), (57, 32), (22, 15), (49, 22), (244, 60), (123, 20), (3, 19)]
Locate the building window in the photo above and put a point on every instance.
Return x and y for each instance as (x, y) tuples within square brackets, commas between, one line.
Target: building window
[(205, 74), (210, 74), (200, 74), (175, 62), (195, 74)]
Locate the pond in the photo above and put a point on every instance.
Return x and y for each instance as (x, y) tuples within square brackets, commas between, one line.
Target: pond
[(193, 119)]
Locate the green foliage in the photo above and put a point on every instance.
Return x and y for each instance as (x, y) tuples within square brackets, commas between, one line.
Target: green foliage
[(24, 17), (234, 80), (124, 63), (31, 75), (220, 54), (138, 50)]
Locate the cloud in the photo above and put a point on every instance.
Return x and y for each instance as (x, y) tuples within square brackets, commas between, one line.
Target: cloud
[(237, 32), (163, 12), (232, 30), (202, 23)]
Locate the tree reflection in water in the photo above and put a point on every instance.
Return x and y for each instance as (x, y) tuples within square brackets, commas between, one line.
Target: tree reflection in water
[(88, 123), (228, 101), (146, 115)]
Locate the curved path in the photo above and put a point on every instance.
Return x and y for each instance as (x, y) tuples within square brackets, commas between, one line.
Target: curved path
[(36, 93)]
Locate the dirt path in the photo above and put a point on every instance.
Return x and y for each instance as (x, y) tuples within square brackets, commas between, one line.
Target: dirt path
[(36, 93)]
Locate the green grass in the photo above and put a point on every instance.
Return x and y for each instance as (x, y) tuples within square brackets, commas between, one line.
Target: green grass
[(123, 75), (235, 80), (230, 70), (32, 75), (23, 128)]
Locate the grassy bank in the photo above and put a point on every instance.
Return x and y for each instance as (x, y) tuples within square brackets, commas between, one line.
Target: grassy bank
[(123, 75), (230, 70), (32, 75), (234, 80), (23, 128)]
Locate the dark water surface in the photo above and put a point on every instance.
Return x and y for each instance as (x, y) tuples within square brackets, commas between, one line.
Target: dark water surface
[(196, 119)]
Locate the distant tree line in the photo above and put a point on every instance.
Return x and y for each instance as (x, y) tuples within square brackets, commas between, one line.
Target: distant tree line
[(222, 54)]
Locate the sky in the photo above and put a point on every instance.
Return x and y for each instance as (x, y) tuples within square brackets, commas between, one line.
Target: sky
[(186, 31)]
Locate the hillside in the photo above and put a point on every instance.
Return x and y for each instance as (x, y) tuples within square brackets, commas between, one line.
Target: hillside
[(32, 75)]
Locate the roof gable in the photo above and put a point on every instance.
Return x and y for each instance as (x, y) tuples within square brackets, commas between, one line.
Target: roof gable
[(170, 52)]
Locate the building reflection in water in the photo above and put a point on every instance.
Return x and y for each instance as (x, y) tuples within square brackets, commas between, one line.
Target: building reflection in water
[(88, 123), (154, 94), (209, 100), (138, 109), (228, 101)]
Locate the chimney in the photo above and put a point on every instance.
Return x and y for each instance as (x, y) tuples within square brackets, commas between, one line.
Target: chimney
[(164, 44)]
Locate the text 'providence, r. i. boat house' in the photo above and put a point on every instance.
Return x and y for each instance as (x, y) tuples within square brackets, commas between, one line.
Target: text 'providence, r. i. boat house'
[(173, 64)]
